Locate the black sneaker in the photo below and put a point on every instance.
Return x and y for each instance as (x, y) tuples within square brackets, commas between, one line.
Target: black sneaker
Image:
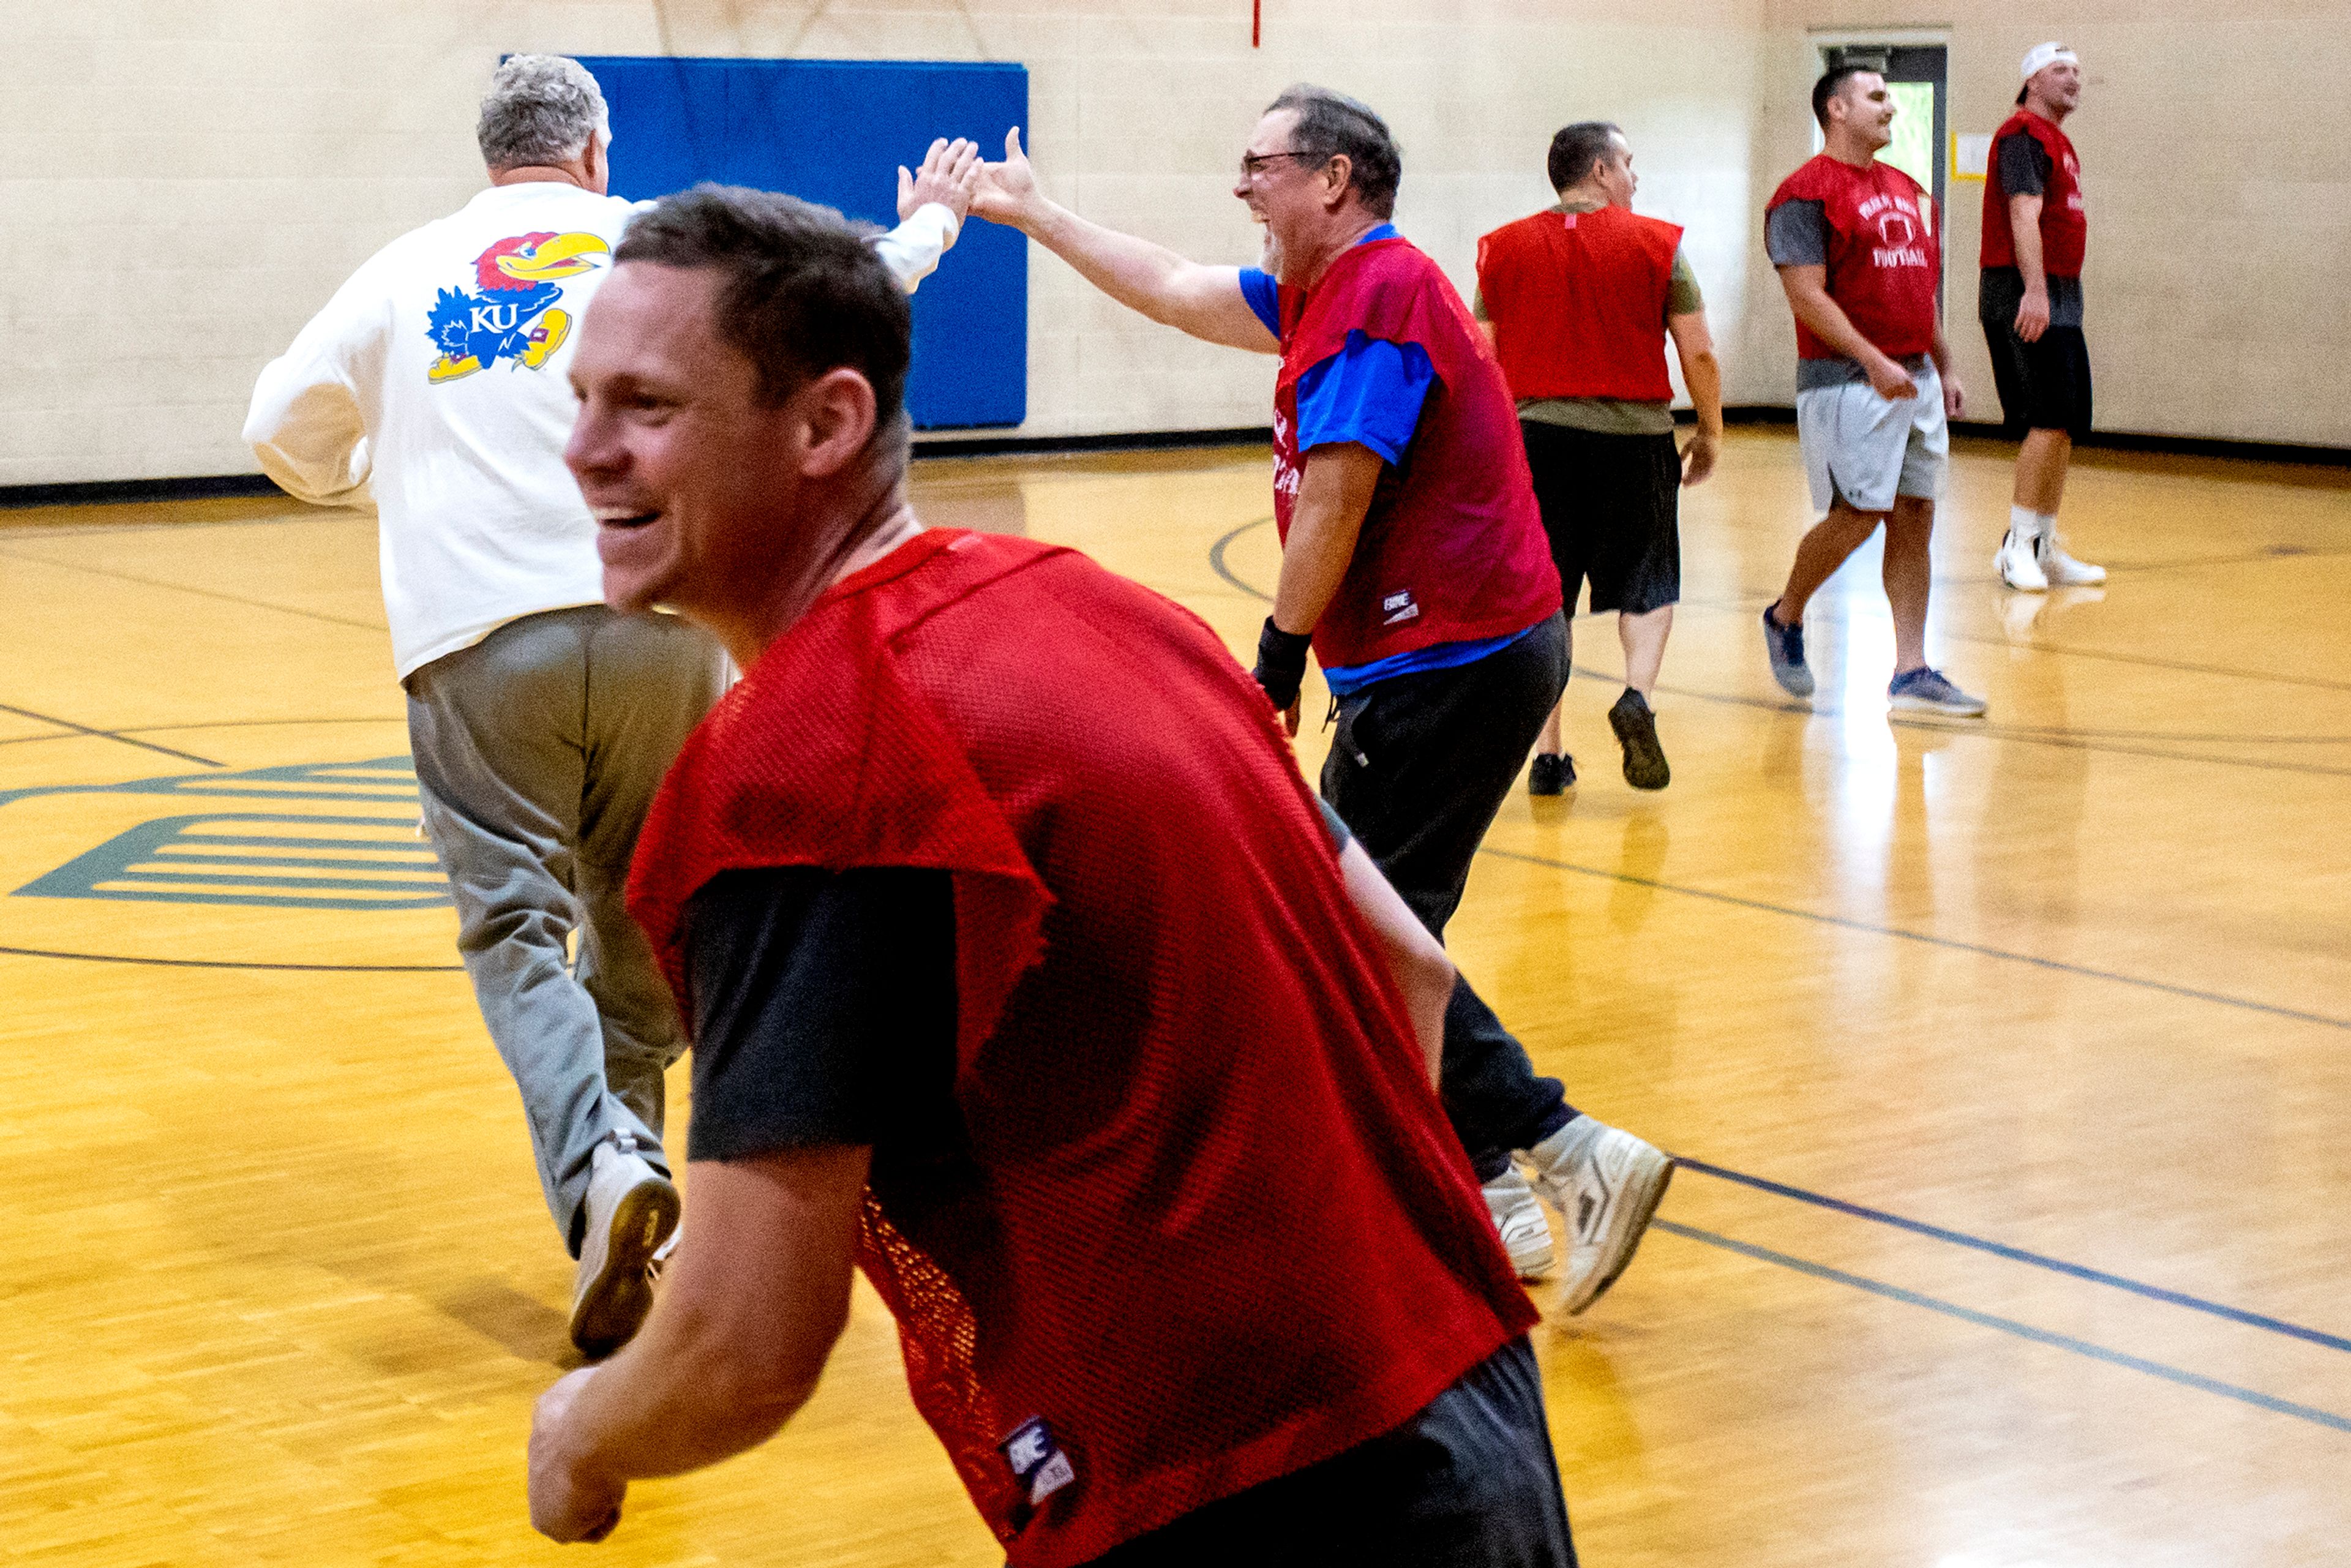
[(1551, 775), (1636, 731)]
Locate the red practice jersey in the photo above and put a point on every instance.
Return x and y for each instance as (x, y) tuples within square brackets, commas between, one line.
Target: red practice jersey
[(1171, 1022), (1885, 263), (1452, 549), (2064, 219), (1578, 303)]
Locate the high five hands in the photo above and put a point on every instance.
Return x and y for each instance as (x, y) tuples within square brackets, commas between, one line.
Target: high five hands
[(949, 172), (1007, 192)]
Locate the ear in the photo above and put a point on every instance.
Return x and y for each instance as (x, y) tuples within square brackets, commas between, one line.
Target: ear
[(835, 416), (1337, 175)]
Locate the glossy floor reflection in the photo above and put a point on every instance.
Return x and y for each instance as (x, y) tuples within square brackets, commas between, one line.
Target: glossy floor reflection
[(2013, 1055)]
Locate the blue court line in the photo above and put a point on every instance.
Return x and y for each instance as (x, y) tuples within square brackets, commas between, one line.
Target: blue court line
[(1848, 923), (2010, 1326), (2019, 1255)]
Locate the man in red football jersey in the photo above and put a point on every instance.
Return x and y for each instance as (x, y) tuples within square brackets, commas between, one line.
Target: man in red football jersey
[(1413, 564), (1024, 972), (2035, 230), (1578, 300), (1854, 241)]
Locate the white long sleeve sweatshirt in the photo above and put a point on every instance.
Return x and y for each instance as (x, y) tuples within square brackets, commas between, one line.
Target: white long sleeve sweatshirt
[(436, 383)]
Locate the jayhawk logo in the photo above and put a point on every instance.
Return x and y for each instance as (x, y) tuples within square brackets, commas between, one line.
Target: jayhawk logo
[(513, 316)]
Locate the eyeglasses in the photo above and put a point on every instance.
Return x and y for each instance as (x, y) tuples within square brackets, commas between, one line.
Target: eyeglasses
[(1253, 163)]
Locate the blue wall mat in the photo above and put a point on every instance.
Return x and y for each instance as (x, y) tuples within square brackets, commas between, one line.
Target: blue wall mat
[(835, 131)]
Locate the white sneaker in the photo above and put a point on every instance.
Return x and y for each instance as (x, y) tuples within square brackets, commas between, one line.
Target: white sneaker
[(2061, 570), (632, 1211), (1526, 1234), (2019, 564), (1606, 1183)]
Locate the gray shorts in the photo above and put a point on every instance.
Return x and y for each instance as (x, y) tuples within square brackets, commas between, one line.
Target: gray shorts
[(1868, 449)]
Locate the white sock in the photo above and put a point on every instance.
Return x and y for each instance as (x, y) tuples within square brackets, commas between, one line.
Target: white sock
[(2047, 523), (2027, 525)]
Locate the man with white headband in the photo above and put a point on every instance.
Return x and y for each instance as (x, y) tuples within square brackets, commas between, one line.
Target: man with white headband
[(2030, 305)]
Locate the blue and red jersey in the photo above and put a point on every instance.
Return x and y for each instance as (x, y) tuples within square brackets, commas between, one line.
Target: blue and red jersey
[(1452, 563)]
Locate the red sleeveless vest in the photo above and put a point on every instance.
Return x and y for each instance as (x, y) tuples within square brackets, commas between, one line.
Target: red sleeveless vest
[(1885, 261), (1171, 1023), (1578, 303), (1453, 547), (2064, 219)]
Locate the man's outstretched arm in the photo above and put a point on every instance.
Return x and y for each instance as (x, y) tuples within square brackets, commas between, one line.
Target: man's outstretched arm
[(1205, 301)]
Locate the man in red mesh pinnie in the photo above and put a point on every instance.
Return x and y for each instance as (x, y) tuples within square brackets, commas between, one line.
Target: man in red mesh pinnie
[(1024, 974)]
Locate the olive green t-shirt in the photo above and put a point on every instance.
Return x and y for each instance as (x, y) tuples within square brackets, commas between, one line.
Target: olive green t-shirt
[(1615, 415)]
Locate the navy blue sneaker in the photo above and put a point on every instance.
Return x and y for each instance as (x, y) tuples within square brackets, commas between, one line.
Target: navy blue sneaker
[(1785, 646), (1551, 775), (1924, 690)]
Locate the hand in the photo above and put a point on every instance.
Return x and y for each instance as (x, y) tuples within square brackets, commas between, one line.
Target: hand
[(948, 172), (1955, 396), (1698, 458), (2032, 315), (1007, 192), (1281, 666), (1290, 718), (566, 1505), (1891, 382)]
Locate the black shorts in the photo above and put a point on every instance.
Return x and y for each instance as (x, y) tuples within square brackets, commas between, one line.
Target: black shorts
[(1611, 506), (2044, 385)]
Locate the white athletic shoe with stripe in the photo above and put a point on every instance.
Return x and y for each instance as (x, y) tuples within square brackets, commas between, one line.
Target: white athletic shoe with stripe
[(1519, 1219), (1605, 1183)]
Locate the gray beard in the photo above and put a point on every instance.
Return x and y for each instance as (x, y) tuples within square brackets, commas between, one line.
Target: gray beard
[(1270, 258)]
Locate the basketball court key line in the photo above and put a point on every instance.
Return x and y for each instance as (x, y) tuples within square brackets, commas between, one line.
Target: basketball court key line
[(2019, 1255), (1953, 944), (2010, 1326), (83, 729)]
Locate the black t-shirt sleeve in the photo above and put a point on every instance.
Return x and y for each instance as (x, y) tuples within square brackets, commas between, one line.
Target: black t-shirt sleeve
[(1797, 234), (824, 1007), (2023, 165), (1339, 837)]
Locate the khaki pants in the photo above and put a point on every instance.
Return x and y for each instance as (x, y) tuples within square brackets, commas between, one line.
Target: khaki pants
[(538, 752)]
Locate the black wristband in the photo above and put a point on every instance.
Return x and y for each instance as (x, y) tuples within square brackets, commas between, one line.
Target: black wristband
[(1280, 664)]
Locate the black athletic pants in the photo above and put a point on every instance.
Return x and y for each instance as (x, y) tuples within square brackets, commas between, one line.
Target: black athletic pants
[(1420, 765), (1469, 1482)]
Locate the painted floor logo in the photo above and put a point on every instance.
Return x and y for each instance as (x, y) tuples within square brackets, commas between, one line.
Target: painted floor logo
[(283, 860)]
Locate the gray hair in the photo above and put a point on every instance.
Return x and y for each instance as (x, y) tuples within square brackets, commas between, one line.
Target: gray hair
[(1330, 123), (541, 109)]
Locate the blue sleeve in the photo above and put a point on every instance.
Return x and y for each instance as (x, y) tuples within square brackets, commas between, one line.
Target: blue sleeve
[(1369, 392), (1264, 296)]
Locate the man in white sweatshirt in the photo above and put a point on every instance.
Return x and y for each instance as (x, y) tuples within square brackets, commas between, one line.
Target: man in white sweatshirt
[(435, 383)]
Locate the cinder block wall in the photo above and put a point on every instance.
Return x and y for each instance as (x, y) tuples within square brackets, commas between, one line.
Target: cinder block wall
[(186, 183), (2216, 160)]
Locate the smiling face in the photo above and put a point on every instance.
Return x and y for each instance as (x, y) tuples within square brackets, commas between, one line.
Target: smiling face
[(1289, 193), (692, 477), (2055, 90)]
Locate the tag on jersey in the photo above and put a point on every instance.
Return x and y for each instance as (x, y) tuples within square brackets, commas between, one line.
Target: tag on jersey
[(1399, 607), (1037, 1460)]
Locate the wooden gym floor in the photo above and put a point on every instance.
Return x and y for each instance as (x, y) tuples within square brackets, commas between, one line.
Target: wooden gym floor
[(2008, 1058)]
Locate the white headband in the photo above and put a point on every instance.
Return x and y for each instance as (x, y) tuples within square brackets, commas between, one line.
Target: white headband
[(2042, 56)]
